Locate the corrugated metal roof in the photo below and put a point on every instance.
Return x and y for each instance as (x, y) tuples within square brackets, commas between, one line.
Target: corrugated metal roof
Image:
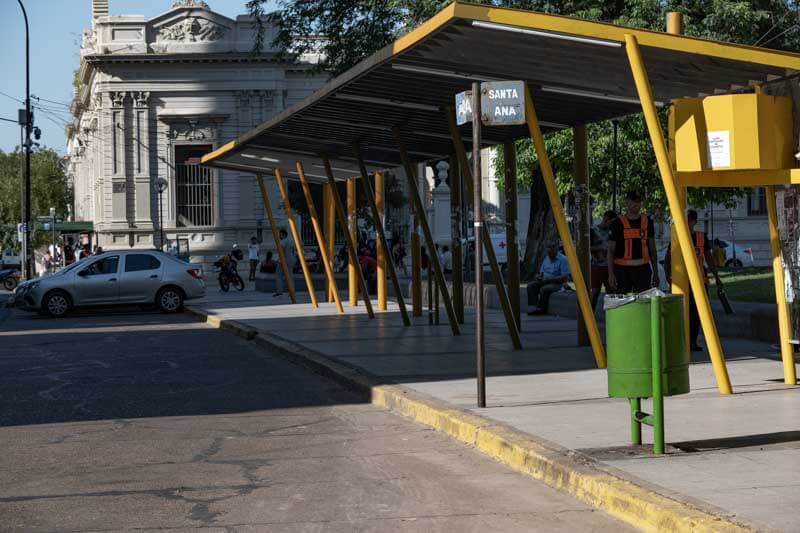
[(578, 72)]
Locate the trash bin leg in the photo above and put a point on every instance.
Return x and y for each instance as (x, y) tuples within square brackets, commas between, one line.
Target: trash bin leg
[(636, 425), (656, 324)]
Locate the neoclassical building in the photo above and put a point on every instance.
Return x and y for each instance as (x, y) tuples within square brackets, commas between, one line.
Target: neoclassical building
[(153, 96)]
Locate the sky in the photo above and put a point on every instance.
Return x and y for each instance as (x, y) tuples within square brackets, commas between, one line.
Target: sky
[(55, 36)]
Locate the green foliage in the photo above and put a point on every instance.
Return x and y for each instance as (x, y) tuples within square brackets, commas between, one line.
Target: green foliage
[(49, 188)]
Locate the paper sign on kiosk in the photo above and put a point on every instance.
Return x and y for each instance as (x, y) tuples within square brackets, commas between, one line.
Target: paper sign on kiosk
[(719, 149)]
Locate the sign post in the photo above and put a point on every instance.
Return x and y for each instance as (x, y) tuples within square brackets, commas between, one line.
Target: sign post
[(487, 104)]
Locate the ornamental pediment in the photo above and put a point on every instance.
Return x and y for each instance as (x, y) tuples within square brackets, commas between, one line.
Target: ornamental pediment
[(191, 29)]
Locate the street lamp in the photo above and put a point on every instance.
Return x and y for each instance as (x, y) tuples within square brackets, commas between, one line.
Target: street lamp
[(161, 186), (26, 236)]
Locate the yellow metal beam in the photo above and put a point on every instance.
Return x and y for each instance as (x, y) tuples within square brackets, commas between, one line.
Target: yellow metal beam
[(348, 237), (370, 196), (681, 226), (584, 301), (287, 273), (352, 265), (323, 249), (380, 249), (298, 243), (784, 320), (739, 178), (610, 32), (222, 150)]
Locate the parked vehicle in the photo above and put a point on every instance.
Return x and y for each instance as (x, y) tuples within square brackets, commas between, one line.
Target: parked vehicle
[(9, 278), (113, 278), (9, 258), (744, 255)]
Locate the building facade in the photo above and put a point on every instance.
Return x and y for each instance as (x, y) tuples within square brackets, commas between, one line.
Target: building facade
[(152, 96)]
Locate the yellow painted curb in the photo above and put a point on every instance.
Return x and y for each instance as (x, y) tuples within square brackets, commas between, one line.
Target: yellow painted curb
[(560, 468)]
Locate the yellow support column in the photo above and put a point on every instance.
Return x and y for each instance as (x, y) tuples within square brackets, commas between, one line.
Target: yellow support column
[(350, 243), (329, 230), (784, 323), (298, 243), (323, 249), (681, 226), (381, 250), (352, 280), (287, 273), (560, 218)]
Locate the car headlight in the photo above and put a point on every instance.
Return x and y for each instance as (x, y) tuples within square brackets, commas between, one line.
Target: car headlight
[(32, 285)]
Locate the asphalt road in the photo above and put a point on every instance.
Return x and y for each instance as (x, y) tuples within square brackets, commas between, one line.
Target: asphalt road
[(135, 420)]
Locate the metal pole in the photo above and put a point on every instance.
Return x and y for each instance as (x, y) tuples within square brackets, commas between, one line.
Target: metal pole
[(682, 229), (161, 219), (480, 347), (583, 227), (510, 159), (614, 205), (53, 259), (28, 127), (657, 364), (23, 257)]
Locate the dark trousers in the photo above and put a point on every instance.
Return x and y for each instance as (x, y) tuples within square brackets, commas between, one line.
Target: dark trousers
[(694, 318), (253, 265), (633, 278), (539, 293)]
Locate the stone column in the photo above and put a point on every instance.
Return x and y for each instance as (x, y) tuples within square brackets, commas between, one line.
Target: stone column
[(116, 138), (141, 165), (441, 207)]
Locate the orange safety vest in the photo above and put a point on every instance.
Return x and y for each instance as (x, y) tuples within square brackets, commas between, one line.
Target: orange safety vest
[(700, 252), (629, 234)]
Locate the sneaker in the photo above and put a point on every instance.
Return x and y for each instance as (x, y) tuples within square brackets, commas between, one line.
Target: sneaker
[(277, 294)]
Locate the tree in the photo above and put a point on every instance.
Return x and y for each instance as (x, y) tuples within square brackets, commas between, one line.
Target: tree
[(49, 188), (354, 29)]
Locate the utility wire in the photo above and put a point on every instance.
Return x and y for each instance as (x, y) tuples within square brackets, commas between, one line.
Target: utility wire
[(15, 99), (40, 99)]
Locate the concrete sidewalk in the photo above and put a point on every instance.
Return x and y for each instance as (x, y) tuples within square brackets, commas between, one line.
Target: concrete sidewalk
[(734, 456)]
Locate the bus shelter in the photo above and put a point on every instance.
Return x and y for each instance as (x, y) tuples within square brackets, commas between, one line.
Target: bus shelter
[(396, 109)]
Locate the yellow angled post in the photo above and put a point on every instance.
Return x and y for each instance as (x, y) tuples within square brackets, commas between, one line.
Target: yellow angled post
[(681, 226), (298, 243), (352, 275), (784, 324), (560, 218), (287, 273), (381, 250), (323, 248)]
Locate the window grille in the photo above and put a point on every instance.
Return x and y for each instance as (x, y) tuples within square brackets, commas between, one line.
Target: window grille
[(194, 195)]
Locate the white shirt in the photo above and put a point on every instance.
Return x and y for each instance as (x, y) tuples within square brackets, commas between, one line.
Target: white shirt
[(252, 252)]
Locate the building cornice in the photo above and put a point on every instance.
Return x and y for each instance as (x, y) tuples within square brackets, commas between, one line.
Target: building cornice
[(100, 59)]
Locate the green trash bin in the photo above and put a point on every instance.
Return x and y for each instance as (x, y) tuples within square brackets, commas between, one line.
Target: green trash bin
[(628, 340)]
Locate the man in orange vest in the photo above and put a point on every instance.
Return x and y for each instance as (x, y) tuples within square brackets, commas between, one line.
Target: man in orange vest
[(632, 259), (704, 255)]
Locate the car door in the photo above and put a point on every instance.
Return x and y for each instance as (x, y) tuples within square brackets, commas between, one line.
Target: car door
[(97, 283), (141, 278)]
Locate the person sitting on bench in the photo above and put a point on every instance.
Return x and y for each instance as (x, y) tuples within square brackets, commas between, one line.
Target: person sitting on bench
[(552, 277)]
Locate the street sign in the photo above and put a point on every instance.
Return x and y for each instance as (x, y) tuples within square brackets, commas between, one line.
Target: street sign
[(21, 230), (464, 108), (503, 103)]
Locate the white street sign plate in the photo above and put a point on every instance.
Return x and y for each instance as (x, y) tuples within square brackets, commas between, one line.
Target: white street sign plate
[(464, 108), (503, 103)]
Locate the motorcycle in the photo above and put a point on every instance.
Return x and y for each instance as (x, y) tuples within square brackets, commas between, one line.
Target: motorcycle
[(9, 278), (228, 276)]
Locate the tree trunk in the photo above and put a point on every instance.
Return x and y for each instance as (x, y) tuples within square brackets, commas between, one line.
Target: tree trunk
[(541, 228)]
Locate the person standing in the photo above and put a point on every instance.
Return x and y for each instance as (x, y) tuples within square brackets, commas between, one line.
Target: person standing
[(283, 242), (553, 274), (705, 256), (69, 251), (599, 249), (252, 256), (632, 258)]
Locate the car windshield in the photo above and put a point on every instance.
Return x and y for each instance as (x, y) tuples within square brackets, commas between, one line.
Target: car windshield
[(72, 266)]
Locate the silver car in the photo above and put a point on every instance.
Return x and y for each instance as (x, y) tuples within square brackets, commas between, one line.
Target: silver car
[(112, 278)]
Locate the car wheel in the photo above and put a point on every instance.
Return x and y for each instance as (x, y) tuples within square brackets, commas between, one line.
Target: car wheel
[(10, 283), (56, 304), (169, 300)]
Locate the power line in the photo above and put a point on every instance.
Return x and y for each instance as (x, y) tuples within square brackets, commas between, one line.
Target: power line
[(40, 99), (15, 99)]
